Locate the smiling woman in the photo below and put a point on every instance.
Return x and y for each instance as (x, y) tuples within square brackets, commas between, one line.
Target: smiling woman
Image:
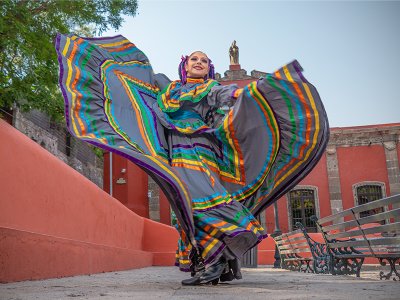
[(218, 168), (197, 65)]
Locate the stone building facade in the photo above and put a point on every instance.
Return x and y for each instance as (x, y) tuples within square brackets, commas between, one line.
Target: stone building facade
[(361, 164), (57, 140)]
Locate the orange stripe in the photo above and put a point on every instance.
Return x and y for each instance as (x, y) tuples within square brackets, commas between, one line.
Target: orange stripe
[(205, 240), (196, 168), (121, 48), (237, 147), (77, 105), (220, 224)]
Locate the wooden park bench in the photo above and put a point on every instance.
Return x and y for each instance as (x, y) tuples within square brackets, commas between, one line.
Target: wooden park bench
[(350, 238), (295, 248)]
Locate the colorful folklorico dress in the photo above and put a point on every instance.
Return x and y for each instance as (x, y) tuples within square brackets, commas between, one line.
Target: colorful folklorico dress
[(218, 168)]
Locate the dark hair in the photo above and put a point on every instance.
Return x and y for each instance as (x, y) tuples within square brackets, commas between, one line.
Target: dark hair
[(182, 70)]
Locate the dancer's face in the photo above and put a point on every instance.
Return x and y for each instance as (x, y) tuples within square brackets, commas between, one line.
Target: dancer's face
[(197, 65)]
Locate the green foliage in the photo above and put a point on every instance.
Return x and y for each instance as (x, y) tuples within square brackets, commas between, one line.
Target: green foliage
[(98, 152), (28, 61)]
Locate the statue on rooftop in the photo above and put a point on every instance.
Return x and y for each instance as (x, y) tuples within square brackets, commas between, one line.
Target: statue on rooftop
[(234, 54)]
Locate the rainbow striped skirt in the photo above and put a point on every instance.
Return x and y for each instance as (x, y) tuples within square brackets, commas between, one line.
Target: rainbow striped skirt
[(217, 176)]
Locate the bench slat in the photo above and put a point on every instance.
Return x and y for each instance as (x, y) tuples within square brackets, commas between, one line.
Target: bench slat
[(387, 228), (370, 219), (363, 242), (294, 251), (374, 204)]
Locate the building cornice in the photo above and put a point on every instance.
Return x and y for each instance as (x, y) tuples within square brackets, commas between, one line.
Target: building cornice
[(365, 136)]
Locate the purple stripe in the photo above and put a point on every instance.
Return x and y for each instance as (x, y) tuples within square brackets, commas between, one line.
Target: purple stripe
[(298, 69), (183, 269), (213, 256), (233, 94), (102, 38), (60, 79), (204, 130)]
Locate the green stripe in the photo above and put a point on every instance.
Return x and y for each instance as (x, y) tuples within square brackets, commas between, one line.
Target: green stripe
[(90, 50), (290, 109), (85, 90), (210, 203)]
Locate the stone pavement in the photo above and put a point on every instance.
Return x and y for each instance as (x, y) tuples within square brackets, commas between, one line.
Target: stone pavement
[(164, 283)]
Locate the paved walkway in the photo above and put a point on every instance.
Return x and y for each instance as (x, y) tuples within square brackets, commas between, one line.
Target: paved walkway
[(164, 283)]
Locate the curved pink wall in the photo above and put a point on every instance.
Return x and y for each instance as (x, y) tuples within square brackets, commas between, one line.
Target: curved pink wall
[(54, 222)]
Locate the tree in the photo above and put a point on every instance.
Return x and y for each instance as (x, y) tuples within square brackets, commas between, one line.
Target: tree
[(28, 61)]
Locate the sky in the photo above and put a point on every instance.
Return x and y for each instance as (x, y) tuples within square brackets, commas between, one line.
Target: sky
[(349, 50)]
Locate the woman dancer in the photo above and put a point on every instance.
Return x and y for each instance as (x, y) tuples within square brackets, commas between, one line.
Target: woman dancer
[(218, 168)]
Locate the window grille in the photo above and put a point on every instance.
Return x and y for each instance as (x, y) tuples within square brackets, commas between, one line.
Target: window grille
[(302, 204), (367, 193)]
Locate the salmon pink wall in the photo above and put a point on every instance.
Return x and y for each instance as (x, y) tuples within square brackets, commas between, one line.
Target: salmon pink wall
[(358, 164), (318, 178), (54, 222), (129, 184)]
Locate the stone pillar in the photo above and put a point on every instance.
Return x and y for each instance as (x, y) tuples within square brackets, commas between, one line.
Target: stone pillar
[(393, 169), (154, 200), (392, 165), (335, 193)]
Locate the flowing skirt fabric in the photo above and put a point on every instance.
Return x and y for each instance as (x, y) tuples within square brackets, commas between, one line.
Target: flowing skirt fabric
[(216, 178)]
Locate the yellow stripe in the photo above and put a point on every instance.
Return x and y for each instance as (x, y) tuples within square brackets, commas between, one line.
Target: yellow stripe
[(189, 129), (317, 127), (184, 261), (233, 227), (114, 44), (66, 47), (226, 128), (212, 233), (187, 162), (195, 163), (68, 84), (209, 247)]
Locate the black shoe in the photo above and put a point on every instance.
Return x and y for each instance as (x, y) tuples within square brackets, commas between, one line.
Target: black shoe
[(211, 274), (234, 265), (195, 280), (228, 276)]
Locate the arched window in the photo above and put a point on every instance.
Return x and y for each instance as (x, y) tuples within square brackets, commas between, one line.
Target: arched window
[(302, 206), (367, 192)]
